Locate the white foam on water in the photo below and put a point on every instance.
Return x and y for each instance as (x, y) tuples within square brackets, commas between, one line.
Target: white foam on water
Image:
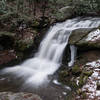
[(73, 50)]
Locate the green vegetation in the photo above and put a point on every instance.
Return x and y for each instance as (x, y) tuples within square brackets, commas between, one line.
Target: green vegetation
[(82, 7), (34, 7)]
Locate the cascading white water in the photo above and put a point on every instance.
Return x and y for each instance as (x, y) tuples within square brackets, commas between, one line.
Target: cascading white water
[(47, 60), (73, 50)]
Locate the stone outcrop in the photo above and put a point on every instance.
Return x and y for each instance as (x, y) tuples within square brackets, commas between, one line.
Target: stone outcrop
[(85, 38), (77, 35), (92, 40)]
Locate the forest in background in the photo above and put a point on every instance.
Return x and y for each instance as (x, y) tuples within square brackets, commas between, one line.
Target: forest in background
[(36, 7)]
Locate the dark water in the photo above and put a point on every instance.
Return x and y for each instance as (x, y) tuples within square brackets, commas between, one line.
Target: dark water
[(50, 91)]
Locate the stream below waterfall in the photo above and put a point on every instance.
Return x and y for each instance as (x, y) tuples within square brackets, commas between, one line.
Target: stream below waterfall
[(38, 73)]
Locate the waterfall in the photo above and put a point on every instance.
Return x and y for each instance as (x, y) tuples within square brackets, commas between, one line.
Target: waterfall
[(35, 71), (73, 50)]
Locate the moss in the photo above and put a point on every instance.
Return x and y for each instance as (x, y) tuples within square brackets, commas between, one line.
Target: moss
[(64, 73), (82, 80), (7, 33), (88, 73), (35, 23), (74, 85), (88, 44), (22, 45), (79, 91), (83, 95), (98, 85), (76, 69)]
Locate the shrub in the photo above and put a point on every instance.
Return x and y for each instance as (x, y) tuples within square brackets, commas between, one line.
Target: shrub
[(82, 7)]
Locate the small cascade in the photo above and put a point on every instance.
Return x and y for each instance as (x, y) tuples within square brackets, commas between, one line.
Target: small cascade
[(73, 50), (47, 60)]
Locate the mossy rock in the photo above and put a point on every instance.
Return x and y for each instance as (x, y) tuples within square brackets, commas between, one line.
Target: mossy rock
[(79, 91), (87, 73), (64, 13), (22, 45), (81, 94), (89, 44), (7, 33), (64, 73), (74, 85), (82, 80), (76, 69), (78, 34)]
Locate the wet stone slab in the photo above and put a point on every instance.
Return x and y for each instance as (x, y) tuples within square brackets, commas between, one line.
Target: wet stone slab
[(18, 96)]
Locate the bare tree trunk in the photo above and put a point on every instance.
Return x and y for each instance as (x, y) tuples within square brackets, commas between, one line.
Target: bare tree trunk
[(35, 3), (44, 6)]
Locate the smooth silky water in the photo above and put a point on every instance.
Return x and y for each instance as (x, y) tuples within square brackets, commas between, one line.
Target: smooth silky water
[(36, 74)]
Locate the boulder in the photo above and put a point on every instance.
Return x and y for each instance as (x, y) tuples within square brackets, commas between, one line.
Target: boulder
[(18, 96), (64, 13), (78, 34), (92, 40)]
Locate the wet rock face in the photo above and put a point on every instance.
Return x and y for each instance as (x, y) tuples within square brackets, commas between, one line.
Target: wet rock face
[(85, 38), (92, 40), (77, 35), (18, 96)]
